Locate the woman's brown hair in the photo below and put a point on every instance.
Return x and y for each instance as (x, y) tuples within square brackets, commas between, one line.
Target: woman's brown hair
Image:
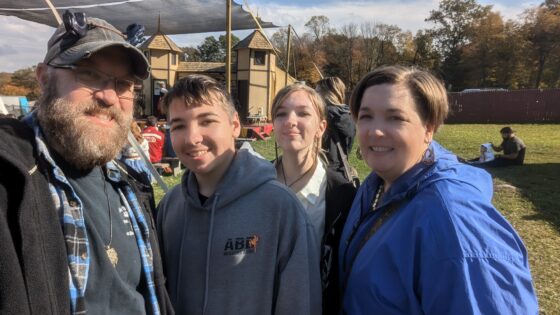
[(428, 92)]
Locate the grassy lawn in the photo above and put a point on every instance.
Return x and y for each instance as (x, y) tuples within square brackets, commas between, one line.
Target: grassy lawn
[(528, 195)]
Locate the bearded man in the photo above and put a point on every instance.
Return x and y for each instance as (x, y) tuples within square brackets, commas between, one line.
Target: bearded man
[(73, 236)]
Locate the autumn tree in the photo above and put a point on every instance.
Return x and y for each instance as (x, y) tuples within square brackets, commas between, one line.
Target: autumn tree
[(370, 45), (425, 55), (454, 21), (13, 90), (480, 55), (543, 32), (192, 53), (350, 33), (212, 49), (22, 82), (318, 26), (387, 36), (305, 66), (280, 41), (334, 48), (469, 45), (25, 78), (405, 47), (513, 69)]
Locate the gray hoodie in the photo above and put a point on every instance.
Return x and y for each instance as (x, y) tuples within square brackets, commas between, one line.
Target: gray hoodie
[(249, 249)]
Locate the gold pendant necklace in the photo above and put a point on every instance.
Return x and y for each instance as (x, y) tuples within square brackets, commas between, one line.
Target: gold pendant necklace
[(110, 251), (112, 254)]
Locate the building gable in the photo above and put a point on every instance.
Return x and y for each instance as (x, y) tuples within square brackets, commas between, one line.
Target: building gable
[(161, 42), (255, 40)]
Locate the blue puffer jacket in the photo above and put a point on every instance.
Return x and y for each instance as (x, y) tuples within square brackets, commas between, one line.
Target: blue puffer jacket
[(445, 250)]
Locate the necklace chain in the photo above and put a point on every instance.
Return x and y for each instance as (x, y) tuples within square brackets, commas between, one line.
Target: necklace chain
[(111, 252), (297, 179), (377, 197)]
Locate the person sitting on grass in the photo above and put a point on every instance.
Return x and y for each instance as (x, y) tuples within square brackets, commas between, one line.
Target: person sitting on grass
[(513, 147), (486, 155)]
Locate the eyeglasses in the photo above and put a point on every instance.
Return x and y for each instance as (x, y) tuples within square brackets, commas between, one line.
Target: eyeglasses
[(95, 80)]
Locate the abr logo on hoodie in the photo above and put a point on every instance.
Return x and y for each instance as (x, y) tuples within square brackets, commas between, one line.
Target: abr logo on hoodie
[(238, 245)]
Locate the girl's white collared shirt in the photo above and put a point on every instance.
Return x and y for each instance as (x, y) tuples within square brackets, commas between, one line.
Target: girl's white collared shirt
[(312, 197)]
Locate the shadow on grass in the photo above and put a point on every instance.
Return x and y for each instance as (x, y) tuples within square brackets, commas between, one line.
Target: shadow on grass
[(538, 183)]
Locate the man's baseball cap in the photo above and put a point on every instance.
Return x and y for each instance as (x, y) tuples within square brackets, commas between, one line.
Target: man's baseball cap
[(99, 35)]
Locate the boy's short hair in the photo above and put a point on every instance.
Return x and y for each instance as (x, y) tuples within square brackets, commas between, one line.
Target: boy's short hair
[(198, 89), (151, 121)]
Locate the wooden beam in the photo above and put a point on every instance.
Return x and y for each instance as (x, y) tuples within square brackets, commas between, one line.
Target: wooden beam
[(228, 47), (288, 54)]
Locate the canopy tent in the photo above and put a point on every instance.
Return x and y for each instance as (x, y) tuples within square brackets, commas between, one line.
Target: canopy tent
[(177, 16)]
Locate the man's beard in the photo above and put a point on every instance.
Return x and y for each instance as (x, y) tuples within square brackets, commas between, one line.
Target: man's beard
[(80, 142)]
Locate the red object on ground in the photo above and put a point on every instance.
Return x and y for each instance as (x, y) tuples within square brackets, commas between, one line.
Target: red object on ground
[(260, 131)]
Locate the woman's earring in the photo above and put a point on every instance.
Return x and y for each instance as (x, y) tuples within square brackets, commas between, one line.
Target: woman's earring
[(429, 156)]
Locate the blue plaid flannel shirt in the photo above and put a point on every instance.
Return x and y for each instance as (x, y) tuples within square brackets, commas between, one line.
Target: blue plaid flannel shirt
[(69, 207)]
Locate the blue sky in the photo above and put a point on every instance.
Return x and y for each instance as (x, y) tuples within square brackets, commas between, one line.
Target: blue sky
[(23, 43)]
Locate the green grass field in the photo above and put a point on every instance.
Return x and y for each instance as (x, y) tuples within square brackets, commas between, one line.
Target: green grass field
[(528, 196)]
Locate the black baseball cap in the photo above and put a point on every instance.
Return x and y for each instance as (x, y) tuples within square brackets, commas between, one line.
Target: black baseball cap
[(100, 35)]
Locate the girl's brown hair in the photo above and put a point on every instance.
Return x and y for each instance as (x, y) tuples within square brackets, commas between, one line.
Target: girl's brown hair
[(316, 101), (333, 90)]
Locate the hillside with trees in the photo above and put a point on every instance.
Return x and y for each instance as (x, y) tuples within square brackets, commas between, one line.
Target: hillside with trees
[(22, 82), (468, 45)]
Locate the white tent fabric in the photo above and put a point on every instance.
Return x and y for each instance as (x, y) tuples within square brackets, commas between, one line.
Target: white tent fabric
[(177, 16)]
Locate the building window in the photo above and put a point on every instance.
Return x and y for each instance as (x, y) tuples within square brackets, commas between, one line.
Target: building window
[(173, 58), (260, 58)]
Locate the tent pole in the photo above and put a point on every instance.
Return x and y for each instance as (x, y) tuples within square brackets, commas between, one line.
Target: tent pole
[(55, 13), (228, 46)]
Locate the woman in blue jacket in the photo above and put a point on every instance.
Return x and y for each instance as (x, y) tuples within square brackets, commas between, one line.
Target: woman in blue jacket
[(422, 236)]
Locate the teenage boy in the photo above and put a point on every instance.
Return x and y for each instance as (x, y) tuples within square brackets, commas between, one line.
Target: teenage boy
[(234, 240)]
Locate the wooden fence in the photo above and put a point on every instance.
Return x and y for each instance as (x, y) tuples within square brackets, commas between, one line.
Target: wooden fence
[(503, 107)]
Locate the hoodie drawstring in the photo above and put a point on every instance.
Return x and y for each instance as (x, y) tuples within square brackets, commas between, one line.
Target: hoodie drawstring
[(180, 271), (208, 252)]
